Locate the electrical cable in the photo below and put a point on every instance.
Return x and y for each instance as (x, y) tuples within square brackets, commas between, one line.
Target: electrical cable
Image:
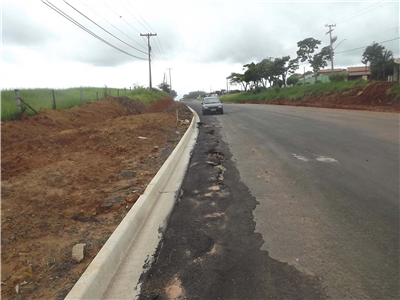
[(59, 11), (149, 28), (366, 46), (114, 26), (104, 29), (119, 16)]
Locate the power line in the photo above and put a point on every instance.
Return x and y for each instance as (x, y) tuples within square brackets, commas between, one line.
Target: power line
[(382, 4), (355, 13), (104, 29), (114, 26), (149, 28), (345, 18), (363, 37), (120, 17), (59, 11), (366, 46)]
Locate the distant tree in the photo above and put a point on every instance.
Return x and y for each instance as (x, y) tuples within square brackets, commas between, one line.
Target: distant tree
[(292, 80), (164, 87), (318, 61), (307, 48), (237, 78), (194, 95), (266, 70), (173, 94), (381, 61), (252, 74)]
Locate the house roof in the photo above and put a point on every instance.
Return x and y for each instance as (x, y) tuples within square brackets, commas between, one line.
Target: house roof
[(325, 71), (359, 71)]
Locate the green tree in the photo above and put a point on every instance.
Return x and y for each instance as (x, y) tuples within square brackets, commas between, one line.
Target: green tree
[(252, 74), (266, 70), (381, 61), (292, 80), (164, 87), (237, 78), (307, 48), (318, 61)]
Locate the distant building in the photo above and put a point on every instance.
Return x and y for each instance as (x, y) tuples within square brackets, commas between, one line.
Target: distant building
[(323, 75), (356, 73), (396, 70)]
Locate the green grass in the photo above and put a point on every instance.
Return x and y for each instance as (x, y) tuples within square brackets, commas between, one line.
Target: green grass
[(67, 98), (293, 93), (395, 89)]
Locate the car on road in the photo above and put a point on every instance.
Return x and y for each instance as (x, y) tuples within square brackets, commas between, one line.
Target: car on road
[(212, 105)]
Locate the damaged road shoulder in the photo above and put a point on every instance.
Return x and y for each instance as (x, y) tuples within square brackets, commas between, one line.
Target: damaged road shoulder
[(210, 249)]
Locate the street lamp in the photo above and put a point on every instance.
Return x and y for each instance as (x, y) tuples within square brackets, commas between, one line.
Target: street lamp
[(340, 43)]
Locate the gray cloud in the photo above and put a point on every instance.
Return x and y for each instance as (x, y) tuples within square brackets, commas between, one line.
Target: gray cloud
[(18, 29), (203, 33)]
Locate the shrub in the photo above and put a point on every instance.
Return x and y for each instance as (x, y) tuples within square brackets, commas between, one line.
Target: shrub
[(292, 80), (307, 83), (259, 89), (277, 89), (318, 81), (338, 77), (299, 83)]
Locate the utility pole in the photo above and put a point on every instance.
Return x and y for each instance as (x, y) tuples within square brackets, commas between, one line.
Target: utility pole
[(149, 47), (227, 87), (170, 81), (331, 41)]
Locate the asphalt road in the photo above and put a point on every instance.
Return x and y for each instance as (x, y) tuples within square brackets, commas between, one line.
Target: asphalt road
[(322, 188)]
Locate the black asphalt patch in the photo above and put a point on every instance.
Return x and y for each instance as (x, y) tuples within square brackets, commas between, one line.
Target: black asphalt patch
[(210, 249)]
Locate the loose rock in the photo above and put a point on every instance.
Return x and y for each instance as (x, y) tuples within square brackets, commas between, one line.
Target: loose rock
[(78, 252)]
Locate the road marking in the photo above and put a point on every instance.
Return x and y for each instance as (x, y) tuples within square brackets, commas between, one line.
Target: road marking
[(326, 159), (300, 157)]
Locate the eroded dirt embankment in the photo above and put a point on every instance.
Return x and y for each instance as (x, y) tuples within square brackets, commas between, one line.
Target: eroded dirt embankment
[(69, 177), (375, 96)]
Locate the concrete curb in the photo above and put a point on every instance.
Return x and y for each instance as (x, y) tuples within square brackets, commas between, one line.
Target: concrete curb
[(116, 270)]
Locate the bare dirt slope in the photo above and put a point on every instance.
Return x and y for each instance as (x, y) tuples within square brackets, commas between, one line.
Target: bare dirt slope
[(70, 176), (373, 97)]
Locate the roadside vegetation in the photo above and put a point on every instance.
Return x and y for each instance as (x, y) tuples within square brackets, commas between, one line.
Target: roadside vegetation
[(292, 93), (67, 98)]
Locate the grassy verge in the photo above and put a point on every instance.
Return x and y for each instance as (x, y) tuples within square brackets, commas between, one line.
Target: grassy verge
[(395, 89), (292, 93), (67, 98)]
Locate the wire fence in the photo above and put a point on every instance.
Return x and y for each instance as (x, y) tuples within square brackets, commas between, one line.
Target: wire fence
[(29, 101)]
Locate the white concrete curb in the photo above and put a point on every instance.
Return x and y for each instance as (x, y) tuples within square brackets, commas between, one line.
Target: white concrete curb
[(115, 272)]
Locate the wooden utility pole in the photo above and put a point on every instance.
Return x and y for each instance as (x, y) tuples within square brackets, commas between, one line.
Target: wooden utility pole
[(170, 80), (54, 99), (17, 100), (148, 35), (331, 42)]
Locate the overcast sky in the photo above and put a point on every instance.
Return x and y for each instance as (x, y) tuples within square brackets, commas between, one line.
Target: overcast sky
[(203, 41)]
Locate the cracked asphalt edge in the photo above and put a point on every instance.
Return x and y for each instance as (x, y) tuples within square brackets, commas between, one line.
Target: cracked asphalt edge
[(210, 249)]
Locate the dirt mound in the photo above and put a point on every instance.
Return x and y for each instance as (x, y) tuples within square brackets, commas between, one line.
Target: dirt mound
[(70, 176)]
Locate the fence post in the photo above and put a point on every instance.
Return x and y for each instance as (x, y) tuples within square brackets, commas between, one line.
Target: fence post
[(54, 99), (118, 92), (125, 90), (81, 96), (17, 101), (97, 95)]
